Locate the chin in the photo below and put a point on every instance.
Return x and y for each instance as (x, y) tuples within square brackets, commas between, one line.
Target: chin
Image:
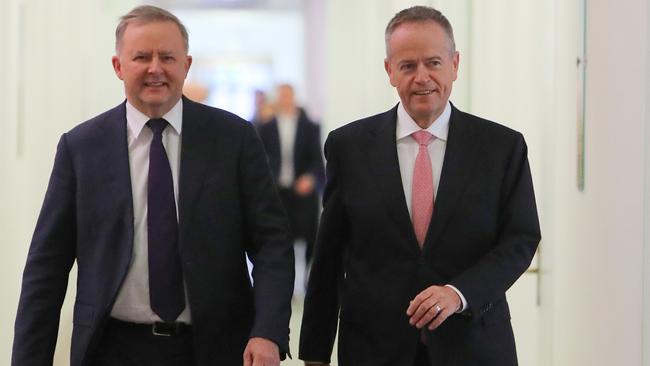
[(155, 101), (424, 111)]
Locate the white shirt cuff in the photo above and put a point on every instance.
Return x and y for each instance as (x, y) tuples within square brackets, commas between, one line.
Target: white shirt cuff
[(462, 299)]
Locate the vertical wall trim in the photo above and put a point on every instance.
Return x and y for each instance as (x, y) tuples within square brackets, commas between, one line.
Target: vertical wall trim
[(582, 94)]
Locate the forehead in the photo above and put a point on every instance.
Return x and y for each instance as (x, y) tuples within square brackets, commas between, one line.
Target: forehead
[(284, 89), (152, 35), (426, 37)]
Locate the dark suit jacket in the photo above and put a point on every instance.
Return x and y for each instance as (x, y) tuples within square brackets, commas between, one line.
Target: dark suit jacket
[(482, 237), (307, 158), (227, 207)]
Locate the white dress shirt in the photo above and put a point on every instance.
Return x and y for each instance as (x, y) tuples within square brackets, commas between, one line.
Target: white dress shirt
[(132, 303), (407, 151), (287, 127)]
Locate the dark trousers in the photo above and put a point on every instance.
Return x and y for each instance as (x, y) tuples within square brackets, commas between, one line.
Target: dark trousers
[(127, 344), (422, 357), (303, 217)]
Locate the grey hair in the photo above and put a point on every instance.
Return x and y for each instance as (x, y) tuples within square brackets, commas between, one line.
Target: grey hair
[(148, 14), (418, 14)]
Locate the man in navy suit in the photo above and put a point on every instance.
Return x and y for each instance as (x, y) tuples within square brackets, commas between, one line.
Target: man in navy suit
[(159, 201), (293, 145), (429, 217)]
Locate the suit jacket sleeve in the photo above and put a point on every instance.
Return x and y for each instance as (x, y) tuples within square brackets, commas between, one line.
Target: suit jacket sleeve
[(45, 278), (518, 236), (321, 309), (268, 244)]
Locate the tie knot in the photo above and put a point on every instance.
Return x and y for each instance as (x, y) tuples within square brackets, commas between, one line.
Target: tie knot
[(157, 125), (422, 137)]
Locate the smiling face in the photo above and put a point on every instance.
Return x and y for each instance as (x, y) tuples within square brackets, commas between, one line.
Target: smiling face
[(422, 66), (152, 62)]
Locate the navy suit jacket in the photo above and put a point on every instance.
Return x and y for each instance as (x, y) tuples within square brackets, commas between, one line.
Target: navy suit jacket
[(368, 265), (228, 207)]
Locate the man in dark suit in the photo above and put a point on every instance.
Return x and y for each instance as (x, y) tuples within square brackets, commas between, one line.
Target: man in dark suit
[(159, 200), (293, 145), (429, 217)]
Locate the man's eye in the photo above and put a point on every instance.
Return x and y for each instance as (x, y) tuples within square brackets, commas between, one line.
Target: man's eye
[(406, 67)]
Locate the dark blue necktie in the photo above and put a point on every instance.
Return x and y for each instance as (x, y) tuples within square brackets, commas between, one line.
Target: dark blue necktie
[(166, 291)]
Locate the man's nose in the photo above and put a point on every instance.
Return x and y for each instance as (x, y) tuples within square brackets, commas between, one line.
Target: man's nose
[(155, 66), (421, 74)]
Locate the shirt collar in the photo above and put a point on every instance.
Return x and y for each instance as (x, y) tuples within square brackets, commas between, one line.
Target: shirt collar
[(406, 126), (136, 120)]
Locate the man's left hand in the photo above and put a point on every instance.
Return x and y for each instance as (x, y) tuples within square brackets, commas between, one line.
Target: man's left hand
[(433, 306), (261, 352), (305, 185)]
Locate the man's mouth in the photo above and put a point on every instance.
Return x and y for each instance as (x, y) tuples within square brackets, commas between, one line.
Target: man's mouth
[(424, 92), (154, 84)]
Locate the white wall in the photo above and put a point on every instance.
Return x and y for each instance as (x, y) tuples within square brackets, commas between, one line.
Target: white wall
[(12, 250), (355, 80), (597, 272)]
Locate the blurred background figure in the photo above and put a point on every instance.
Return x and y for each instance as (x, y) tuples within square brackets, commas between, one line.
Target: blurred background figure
[(196, 91), (263, 111), (293, 145)]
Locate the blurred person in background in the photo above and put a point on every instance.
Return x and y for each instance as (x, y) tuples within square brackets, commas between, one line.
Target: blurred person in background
[(263, 112), (293, 145), (195, 91), (429, 217), (159, 200)]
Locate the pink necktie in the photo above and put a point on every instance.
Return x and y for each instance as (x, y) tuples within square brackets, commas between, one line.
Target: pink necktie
[(422, 195)]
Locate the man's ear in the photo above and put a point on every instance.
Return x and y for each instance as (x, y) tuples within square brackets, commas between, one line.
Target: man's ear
[(117, 66), (188, 63), (455, 64), (389, 71)]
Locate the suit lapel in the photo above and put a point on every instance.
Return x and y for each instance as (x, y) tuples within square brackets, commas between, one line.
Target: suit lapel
[(381, 148), (460, 155), (117, 175), (196, 145)]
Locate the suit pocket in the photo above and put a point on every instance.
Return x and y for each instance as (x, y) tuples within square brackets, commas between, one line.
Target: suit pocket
[(83, 314)]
